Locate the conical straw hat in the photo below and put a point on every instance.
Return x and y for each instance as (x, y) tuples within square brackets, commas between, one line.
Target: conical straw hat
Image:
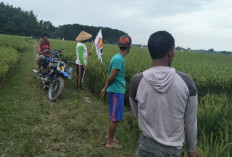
[(83, 36)]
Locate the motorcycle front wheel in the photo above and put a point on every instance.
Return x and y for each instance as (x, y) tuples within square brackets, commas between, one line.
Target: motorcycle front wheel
[(55, 89)]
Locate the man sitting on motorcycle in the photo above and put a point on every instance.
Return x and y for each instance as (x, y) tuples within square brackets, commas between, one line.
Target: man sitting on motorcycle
[(44, 49)]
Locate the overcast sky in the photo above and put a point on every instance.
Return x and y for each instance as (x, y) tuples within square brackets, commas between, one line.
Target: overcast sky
[(197, 24)]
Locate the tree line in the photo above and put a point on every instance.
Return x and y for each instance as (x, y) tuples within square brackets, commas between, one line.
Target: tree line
[(15, 21)]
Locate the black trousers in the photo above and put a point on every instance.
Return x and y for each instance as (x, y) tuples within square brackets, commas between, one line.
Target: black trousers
[(80, 73)]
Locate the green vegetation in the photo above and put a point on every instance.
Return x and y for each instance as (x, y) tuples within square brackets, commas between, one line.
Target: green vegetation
[(9, 48), (17, 22), (76, 124), (19, 43), (8, 57), (210, 72)]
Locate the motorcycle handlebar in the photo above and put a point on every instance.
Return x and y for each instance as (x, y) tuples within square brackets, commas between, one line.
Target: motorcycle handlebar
[(57, 51)]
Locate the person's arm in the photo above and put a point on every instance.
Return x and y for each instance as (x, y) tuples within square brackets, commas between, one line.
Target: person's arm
[(134, 107), (190, 121), (190, 117), (80, 50), (134, 83), (116, 66), (109, 81), (39, 49)]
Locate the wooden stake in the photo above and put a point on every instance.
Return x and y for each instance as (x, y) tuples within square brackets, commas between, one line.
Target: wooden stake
[(92, 48), (83, 77)]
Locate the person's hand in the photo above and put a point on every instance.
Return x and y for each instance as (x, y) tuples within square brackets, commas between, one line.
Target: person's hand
[(193, 154), (103, 92)]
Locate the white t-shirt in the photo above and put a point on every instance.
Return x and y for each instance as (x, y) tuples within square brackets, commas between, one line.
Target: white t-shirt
[(82, 54)]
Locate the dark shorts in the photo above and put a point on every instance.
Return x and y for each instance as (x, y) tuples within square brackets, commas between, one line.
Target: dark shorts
[(116, 105), (150, 148)]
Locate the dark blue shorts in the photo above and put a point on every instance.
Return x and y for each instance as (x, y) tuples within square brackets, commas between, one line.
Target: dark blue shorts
[(116, 105)]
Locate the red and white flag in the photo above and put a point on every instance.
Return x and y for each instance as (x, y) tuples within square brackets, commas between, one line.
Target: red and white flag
[(99, 44)]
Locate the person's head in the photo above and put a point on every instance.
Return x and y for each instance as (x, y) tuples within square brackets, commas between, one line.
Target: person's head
[(124, 43), (161, 45), (44, 36)]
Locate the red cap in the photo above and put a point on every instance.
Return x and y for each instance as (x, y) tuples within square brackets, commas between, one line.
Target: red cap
[(124, 41)]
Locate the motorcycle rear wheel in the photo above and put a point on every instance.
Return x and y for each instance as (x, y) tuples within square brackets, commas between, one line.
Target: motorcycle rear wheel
[(55, 89)]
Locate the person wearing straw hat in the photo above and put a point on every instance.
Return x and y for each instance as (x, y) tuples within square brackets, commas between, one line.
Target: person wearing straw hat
[(82, 56)]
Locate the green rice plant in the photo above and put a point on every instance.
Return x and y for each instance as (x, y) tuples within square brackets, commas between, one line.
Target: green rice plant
[(8, 57), (214, 114), (20, 43), (211, 145), (210, 72), (9, 46)]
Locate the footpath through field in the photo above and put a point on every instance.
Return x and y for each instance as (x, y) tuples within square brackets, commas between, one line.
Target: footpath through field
[(74, 125)]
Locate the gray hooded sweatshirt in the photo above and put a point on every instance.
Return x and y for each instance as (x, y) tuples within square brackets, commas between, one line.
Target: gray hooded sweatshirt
[(165, 103)]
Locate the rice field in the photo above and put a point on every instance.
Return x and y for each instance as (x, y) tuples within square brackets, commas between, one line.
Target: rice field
[(211, 73)]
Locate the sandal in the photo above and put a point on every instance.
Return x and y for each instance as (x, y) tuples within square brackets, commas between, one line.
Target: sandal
[(116, 146)]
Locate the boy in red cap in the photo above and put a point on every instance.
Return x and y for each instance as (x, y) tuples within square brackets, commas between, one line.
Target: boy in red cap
[(44, 47), (116, 86)]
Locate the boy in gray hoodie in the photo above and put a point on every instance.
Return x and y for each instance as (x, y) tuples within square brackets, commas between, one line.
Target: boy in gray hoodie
[(165, 102)]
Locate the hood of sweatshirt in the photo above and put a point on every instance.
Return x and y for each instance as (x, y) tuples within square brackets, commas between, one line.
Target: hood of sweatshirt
[(160, 77)]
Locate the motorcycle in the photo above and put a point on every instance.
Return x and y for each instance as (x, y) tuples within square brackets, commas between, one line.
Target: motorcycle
[(53, 71)]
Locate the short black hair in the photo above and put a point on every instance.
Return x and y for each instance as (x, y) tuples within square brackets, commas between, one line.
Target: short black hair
[(44, 35), (160, 43)]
